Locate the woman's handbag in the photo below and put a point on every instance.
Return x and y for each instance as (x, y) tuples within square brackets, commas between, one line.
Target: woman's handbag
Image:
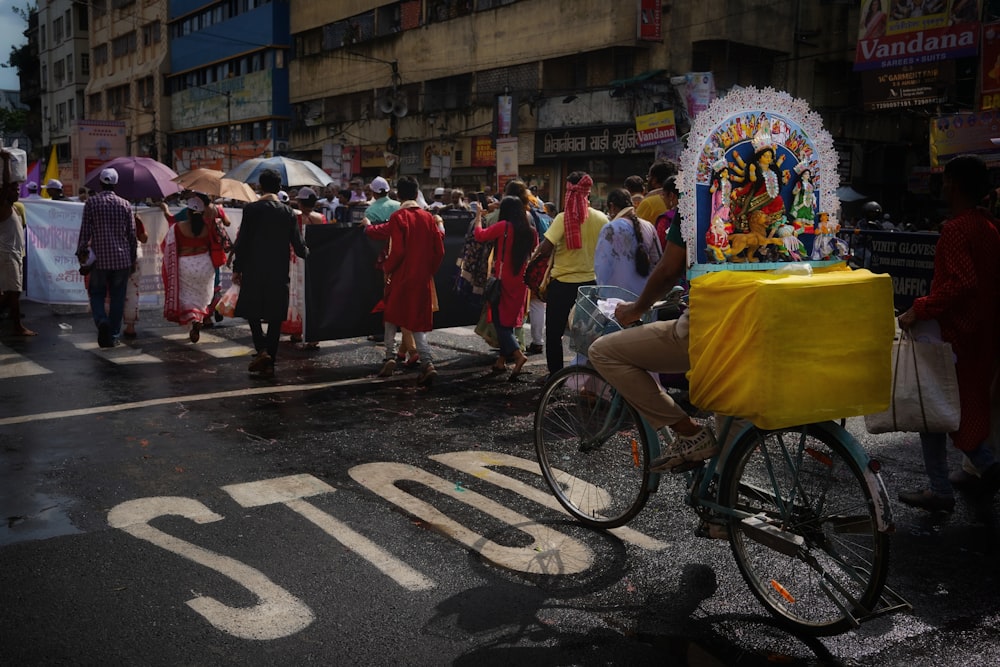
[(924, 389), (537, 273), (492, 291), (485, 328)]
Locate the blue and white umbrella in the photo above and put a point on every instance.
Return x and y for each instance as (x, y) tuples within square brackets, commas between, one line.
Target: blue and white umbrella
[(294, 173)]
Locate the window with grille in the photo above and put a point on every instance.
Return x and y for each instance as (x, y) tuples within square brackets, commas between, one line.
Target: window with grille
[(94, 103), (118, 99), (123, 45), (151, 33), (100, 54), (145, 89), (453, 92), (493, 82)]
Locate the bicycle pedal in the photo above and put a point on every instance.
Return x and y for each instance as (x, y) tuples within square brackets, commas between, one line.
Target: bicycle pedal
[(686, 466), (712, 531)]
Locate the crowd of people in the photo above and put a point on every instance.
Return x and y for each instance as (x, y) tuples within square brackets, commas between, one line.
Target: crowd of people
[(636, 245)]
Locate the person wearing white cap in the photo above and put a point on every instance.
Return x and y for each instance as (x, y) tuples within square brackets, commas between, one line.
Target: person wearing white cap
[(54, 188), (383, 206), (33, 191), (438, 200), (377, 213), (108, 229)]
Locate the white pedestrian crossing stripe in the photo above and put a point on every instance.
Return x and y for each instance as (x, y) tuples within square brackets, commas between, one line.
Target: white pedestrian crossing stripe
[(215, 346), (122, 355), (218, 346), (13, 364)]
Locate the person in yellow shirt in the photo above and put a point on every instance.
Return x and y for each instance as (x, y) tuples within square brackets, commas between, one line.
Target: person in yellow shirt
[(652, 206), (571, 239)]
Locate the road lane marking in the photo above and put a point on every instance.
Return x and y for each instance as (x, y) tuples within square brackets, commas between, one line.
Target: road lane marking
[(278, 614), (290, 491), (550, 552), (193, 398), (13, 365), (481, 465)]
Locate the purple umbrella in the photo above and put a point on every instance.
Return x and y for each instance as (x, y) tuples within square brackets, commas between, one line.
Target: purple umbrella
[(138, 178)]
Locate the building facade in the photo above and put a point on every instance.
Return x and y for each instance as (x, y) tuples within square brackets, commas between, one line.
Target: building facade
[(395, 87), (64, 69), (128, 62), (228, 81)]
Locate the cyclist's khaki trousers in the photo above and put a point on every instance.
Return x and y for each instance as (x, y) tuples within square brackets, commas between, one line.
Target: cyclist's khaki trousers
[(625, 357)]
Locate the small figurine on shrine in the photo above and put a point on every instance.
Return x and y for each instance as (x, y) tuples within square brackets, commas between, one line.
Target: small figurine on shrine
[(827, 245), (803, 213), (721, 190), (717, 242)]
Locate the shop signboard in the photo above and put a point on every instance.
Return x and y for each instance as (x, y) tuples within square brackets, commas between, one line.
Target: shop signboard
[(910, 86), (650, 28), (965, 133), (573, 142), (483, 152), (989, 68), (655, 128), (93, 143), (911, 34)]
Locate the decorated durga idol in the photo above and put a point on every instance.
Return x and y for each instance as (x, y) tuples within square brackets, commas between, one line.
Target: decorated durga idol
[(759, 183)]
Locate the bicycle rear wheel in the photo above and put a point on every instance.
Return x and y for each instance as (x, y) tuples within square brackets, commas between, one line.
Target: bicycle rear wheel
[(592, 448), (811, 551)]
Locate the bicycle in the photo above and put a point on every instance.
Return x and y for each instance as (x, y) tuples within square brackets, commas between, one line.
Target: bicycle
[(804, 508)]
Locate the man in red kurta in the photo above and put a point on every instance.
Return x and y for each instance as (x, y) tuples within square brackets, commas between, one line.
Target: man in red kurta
[(416, 248), (964, 299)]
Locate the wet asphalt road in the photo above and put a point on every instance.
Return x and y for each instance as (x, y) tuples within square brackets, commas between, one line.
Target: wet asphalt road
[(161, 507)]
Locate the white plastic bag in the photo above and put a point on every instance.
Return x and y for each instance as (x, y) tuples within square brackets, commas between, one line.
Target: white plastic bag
[(924, 389), (18, 162)]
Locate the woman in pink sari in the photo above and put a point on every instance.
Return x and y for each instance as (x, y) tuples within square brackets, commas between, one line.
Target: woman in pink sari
[(191, 253)]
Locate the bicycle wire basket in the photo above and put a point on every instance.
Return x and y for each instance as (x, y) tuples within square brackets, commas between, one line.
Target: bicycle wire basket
[(589, 319)]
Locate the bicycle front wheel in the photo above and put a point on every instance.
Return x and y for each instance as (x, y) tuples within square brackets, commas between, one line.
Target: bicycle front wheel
[(592, 448), (811, 550)]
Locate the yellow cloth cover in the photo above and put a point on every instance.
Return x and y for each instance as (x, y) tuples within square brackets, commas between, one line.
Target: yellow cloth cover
[(782, 350)]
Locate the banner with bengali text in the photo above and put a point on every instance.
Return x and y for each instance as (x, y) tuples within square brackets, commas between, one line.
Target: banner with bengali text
[(53, 271)]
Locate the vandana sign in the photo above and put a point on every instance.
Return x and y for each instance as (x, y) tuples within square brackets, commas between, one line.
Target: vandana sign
[(915, 35)]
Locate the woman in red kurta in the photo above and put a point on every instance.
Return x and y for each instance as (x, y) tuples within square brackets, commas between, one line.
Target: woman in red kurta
[(965, 300), (515, 237)]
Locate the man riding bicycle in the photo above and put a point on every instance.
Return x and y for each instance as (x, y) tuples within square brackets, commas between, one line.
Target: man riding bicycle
[(625, 358)]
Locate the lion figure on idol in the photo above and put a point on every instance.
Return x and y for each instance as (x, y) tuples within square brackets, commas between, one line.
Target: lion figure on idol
[(752, 240)]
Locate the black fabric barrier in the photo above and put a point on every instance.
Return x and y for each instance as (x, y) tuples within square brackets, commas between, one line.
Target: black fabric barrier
[(343, 285)]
